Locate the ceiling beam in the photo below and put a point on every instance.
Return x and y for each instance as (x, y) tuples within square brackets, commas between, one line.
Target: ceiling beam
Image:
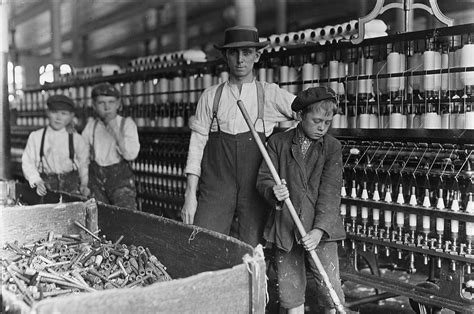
[(121, 13), (200, 18), (29, 13)]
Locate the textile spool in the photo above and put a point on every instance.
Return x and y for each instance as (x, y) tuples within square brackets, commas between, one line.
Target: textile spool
[(284, 75), (415, 63), (364, 121), (445, 120), (334, 73), (307, 74), (308, 35), (460, 120), (316, 74), (125, 94), (262, 74), (206, 80), (341, 73), (192, 86), (381, 83), (163, 87), (329, 32), (351, 85), (274, 40), (451, 76), (429, 64), (349, 29), (324, 75), (223, 76), (292, 77), (444, 76), (292, 38), (457, 63), (336, 121), (373, 121), (397, 121), (402, 69), (269, 75), (177, 86), (149, 88), (437, 66), (469, 120), (432, 120), (7, 193), (467, 60), (393, 66)]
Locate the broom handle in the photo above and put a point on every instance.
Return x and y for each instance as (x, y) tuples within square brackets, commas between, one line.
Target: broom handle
[(291, 208)]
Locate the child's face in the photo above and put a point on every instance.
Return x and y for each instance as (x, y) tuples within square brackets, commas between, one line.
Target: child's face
[(316, 124), (59, 119), (106, 107)]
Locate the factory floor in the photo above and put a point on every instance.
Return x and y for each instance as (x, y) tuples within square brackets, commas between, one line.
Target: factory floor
[(352, 291)]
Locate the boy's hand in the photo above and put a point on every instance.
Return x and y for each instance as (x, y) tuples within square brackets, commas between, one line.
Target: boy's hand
[(40, 188), (281, 191), (71, 127), (85, 191), (311, 240)]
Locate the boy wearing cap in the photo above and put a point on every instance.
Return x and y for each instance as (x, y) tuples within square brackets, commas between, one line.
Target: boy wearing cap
[(311, 162), (54, 158), (113, 142), (223, 158)]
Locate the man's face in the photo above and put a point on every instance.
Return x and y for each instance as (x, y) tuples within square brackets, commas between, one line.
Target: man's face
[(59, 119), (241, 61), (106, 107), (316, 124)]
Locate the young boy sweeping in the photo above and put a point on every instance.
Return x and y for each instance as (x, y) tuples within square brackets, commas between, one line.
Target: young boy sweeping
[(311, 162), (54, 158)]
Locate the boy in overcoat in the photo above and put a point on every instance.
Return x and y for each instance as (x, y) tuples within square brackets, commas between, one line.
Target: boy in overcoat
[(310, 161)]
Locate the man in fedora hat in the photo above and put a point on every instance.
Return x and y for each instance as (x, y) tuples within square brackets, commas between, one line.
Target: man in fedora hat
[(223, 158)]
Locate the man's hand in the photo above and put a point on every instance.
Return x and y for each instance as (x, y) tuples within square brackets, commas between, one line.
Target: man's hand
[(85, 191), (189, 209), (281, 191), (40, 188), (311, 240)]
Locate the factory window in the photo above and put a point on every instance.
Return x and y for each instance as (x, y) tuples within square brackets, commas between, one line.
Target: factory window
[(47, 75), (15, 80)]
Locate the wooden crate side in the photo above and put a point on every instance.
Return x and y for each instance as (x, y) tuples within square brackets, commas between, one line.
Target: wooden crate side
[(223, 291), (31, 223), (186, 250), (11, 304)]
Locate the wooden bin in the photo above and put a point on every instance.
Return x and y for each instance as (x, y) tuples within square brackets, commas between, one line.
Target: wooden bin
[(212, 273)]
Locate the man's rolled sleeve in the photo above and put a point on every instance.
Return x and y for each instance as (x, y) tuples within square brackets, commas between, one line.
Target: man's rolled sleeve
[(195, 153)]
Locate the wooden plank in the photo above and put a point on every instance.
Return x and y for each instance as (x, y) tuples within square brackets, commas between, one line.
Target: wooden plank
[(31, 223), (185, 249), (223, 291)]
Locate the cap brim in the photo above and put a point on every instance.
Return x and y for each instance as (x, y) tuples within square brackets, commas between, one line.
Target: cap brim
[(60, 106), (244, 44)]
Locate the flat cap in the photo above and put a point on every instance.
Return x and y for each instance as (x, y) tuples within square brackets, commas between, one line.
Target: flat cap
[(105, 89), (60, 102), (312, 95)]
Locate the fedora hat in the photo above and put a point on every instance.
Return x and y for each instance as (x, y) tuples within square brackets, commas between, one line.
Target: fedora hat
[(241, 37)]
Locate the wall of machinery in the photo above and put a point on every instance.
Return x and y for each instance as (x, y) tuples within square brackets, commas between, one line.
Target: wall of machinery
[(405, 120)]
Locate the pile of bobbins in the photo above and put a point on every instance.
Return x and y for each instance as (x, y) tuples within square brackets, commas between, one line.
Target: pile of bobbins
[(67, 264)]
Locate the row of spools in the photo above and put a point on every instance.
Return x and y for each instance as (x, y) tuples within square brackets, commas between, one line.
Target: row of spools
[(395, 63), (167, 59), (328, 34)]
